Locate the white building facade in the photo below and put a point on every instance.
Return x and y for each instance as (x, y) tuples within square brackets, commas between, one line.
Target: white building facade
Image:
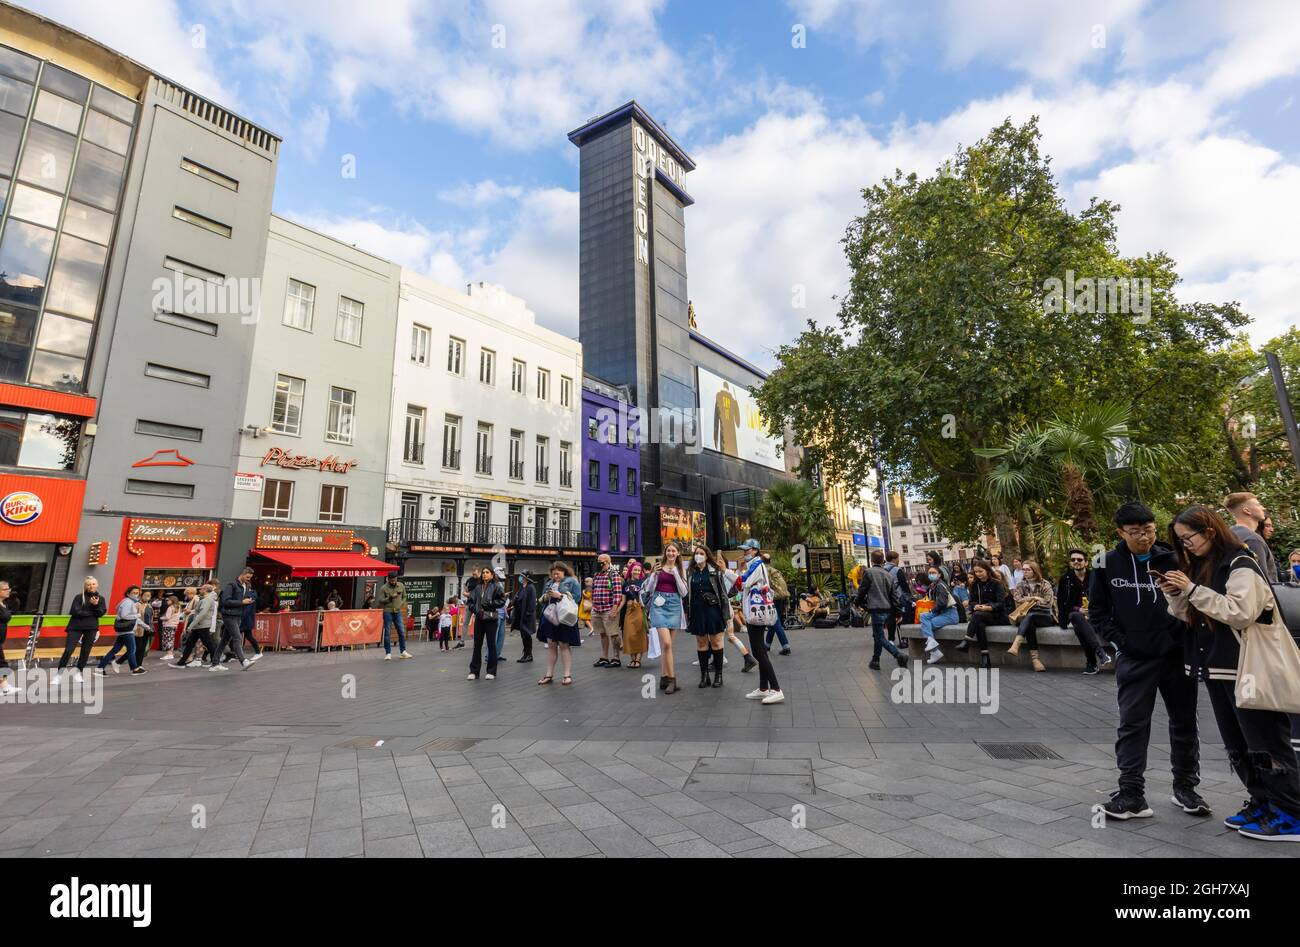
[(484, 437)]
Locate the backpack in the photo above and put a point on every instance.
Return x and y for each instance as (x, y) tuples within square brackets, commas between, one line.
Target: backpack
[(779, 588)]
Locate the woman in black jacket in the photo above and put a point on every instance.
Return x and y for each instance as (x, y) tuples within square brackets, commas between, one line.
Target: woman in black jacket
[(1222, 593), (706, 612), (485, 604), (523, 615), (6, 685), (987, 606), (83, 628)]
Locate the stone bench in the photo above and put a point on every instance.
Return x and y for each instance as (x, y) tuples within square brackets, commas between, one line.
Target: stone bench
[(1057, 647)]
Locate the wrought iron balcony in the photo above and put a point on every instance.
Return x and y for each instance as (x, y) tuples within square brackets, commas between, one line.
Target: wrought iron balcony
[(543, 474), (517, 470), (566, 478), (451, 459), (413, 532), (483, 465)]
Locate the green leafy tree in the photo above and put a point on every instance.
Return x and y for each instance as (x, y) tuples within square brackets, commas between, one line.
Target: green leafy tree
[(945, 343), (793, 512)]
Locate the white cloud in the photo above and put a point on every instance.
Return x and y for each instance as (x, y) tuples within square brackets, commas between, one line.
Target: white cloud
[(313, 131)]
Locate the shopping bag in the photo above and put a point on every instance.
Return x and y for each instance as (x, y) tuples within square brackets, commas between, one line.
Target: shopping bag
[(1268, 669), (759, 609), (566, 611), (653, 650)]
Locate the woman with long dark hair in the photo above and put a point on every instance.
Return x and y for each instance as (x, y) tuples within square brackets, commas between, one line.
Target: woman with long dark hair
[(707, 608), (668, 588), (1222, 593), (1033, 587), (986, 606)]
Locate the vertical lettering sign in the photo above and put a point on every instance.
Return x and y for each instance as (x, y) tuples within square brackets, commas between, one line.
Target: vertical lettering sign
[(646, 155)]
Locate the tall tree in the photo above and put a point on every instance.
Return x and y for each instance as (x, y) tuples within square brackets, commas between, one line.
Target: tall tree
[(946, 341), (793, 512)]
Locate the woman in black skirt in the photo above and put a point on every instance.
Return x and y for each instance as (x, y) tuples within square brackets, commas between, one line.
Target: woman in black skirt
[(706, 611)]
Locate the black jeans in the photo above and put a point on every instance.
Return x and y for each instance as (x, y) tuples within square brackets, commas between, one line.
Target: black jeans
[(1092, 647), (977, 627), (247, 634), (1029, 625), (85, 639), (526, 639), (484, 629), (193, 637), (230, 638), (766, 676), (4, 633), (1259, 749), (1137, 682)]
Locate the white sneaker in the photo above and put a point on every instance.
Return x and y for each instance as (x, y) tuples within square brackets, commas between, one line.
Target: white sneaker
[(725, 662), (166, 657), (757, 694), (406, 654), (77, 678), (388, 656), (117, 668), (257, 657), (98, 672), (54, 681), (931, 644), (775, 697), (489, 677), (472, 677), (7, 688), (218, 667), (935, 657), (246, 665)]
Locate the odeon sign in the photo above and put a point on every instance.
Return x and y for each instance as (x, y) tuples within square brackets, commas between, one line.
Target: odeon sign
[(21, 508)]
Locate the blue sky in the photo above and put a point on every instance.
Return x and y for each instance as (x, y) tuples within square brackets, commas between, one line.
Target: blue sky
[(456, 113)]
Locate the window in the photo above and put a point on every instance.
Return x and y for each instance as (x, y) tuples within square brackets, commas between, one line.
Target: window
[(192, 269), (447, 510), (347, 325), (631, 534), (286, 415), (43, 441), (420, 344), (298, 304), (517, 370), (277, 499), (487, 366), (163, 429), (613, 534), (203, 223), (180, 375), (566, 391), (216, 177), (410, 506), (593, 475), (333, 501), (456, 356), (566, 464), (631, 481), (186, 322), (161, 488), (543, 456), (543, 384), (592, 429), (516, 455), (342, 410), (413, 443), (593, 527), (613, 478), (451, 442), (483, 449)]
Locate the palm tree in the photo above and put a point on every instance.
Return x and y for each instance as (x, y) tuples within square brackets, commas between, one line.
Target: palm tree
[(1054, 472), (791, 512)]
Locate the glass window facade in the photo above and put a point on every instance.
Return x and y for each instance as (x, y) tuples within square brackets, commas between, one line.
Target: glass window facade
[(63, 154), (735, 512)]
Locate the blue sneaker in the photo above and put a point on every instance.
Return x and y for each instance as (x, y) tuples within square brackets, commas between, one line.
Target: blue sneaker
[(1249, 812), (1272, 825)]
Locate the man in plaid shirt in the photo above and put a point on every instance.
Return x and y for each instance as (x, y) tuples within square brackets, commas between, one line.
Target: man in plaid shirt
[(606, 596)]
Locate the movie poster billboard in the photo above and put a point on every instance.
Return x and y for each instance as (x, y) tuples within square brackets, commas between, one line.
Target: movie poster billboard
[(730, 423), (682, 527)]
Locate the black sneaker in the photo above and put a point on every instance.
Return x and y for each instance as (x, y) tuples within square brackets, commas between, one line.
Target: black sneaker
[(1125, 804), (1090, 669), (901, 659), (1103, 658), (524, 660), (750, 664), (1190, 801), (784, 651), (874, 665)]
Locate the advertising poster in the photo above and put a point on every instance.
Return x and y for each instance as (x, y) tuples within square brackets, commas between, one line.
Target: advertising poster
[(682, 527), (730, 423)]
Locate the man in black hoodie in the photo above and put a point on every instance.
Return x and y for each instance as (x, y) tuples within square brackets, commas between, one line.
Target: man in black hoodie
[(1127, 608)]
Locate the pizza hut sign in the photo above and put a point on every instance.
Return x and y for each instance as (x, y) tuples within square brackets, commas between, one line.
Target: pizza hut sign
[(280, 457)]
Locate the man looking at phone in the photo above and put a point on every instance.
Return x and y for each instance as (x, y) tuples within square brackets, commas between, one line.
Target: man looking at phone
[(1248, 515), (1127, 608)]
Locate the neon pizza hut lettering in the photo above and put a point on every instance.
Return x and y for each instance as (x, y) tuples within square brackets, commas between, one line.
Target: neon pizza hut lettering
[(331, 464)]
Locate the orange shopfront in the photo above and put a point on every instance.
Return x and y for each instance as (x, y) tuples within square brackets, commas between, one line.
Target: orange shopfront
[(39, 518), (299, 568), (166, 556)]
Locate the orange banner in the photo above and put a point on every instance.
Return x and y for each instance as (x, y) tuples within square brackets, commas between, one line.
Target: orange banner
[(359, 626), (289, 629)]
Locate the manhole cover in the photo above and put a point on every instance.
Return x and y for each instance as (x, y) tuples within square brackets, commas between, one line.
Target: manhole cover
[(887, 797), (1019, 751), (449, 745)]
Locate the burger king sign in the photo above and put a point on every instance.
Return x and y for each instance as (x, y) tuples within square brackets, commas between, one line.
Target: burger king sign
[(21, 508)]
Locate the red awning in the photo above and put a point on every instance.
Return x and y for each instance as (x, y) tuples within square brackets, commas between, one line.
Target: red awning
[(327, 565)]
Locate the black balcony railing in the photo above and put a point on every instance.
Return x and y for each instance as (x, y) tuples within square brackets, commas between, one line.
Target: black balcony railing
[(566, 478), (483, 465), (543, 474), (517, 470), (408, 532), (451, 459), (413, 454)]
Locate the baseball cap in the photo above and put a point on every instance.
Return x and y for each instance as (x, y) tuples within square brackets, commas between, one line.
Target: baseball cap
[(750, 544)]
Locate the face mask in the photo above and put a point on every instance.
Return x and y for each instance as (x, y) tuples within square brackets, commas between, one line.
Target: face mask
[(934, 577), (699, 558)]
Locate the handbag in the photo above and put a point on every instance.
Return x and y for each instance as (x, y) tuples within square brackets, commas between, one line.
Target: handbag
[(1021, 610), (565, 611), (1268, 665), (759, 608), (647, 591)]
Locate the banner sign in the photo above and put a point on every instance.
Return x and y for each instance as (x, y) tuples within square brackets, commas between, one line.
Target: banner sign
[(170, 531), (302, 537), (731, 424), (361, 626)]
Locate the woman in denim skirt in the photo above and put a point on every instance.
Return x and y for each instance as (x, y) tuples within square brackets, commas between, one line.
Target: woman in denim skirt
[(667, 616)]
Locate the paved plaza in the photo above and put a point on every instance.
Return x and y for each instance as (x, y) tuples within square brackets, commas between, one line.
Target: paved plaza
[(283, 764)]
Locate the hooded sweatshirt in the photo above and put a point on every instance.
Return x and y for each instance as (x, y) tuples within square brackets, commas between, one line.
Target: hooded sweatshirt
[(1127, 608)]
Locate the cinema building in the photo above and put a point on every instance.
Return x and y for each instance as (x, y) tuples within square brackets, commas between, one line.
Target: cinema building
[(638, 331)]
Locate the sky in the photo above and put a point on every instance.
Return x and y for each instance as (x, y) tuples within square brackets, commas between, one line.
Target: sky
[(453, 118)]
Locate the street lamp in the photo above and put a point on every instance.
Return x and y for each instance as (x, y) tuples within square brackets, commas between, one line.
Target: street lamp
[(1119, 461)]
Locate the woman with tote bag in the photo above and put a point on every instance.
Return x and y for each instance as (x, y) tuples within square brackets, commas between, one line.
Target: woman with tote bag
[(1223, 596), (559, 625), (631, 616)]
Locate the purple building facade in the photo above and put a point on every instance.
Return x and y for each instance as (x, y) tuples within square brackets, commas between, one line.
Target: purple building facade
[(610, 469)]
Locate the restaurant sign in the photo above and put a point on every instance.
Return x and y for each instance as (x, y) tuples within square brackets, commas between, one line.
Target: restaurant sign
[(302, 537), (170, 531), (280, 457)]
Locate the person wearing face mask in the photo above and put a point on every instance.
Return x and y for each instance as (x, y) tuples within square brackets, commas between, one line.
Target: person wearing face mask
[(126, 623), (1293, 568), (1128, 609), (943, 613), (707, 611), (753, 575)]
